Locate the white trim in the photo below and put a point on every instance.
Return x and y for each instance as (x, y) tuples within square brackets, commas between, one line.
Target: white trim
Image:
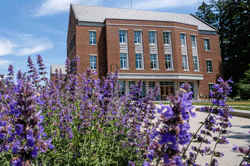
[(157, 76), (208, 59), (137, 29), (166, 31), (92, 54), (205, 37), (160, 26), (123, 29), (152, 30), (92, 30)]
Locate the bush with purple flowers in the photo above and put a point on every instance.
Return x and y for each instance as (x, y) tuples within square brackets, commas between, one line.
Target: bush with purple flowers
[(78, 120)]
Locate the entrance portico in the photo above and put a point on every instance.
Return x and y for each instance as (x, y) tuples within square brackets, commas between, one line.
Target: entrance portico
[(168, 83)]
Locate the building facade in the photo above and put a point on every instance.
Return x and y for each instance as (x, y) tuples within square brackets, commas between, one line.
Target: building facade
[(156, 47)]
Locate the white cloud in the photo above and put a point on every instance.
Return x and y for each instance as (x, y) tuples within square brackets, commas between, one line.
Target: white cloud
[(6, 47), (33, 50), (24, 44), (4, 64), (50, 7), (155, 4)]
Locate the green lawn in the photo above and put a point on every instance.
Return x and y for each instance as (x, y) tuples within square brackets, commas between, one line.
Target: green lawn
[(239, 105)]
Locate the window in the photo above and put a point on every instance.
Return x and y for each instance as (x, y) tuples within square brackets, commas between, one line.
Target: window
[(123, 60), (92, 62), (166, 37), (137, 37), (122, 85), (143, 89), (151, 35), (184, 62), (138, 61), (122, 36), (195, 60), (92, 37), (193, 42), (209, 66), (168, 61), (206, 44), (210, 86), (153, 60), (183, 42), (192, 88), (151, 84)]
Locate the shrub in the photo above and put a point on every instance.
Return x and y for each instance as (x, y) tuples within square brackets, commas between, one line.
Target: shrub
[(77, 120)]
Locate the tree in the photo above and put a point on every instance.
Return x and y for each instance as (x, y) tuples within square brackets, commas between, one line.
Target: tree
[(205, 13), (231, 18)]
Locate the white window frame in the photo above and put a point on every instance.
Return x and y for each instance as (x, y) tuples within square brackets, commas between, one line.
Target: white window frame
[(150, 39), (195, 42), (169, 38), (210, 67), (185, 44), (136, 39), (93, 55), (212, 89), (126, 68), (171, 62), (123, 37), (198, 69), (142, 61), (91, 38), (206, 45), (123, 89), (187, 69), (156, 61)]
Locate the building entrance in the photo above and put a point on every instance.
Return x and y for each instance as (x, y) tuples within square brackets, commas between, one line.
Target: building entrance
[(167, 88)]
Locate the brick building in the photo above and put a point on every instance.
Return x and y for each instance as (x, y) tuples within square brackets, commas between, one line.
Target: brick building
[(156, 47)]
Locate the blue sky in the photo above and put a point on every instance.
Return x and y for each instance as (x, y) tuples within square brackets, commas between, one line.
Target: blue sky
[(28, 28)]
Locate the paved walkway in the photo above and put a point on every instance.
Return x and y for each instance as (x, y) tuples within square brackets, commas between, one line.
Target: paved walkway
[(238, 135)]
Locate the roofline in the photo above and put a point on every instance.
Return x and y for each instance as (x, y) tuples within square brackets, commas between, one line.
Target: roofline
[(204, 22), (150, 21)]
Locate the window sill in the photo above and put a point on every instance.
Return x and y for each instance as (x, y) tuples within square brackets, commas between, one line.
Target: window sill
[(94, 69), (196, 70), (186, 70), (140, 69), (207, 50), (209, 72), (170, 69), (92, 44), (155, 69), (124, 69), (137, 44), (152, 44), (122, 43), (167, 45)]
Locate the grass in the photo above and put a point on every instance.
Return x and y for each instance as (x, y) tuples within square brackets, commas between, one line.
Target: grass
[(238, 105)]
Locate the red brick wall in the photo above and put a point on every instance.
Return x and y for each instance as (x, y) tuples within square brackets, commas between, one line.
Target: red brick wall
[(215, 55), (108, 50)]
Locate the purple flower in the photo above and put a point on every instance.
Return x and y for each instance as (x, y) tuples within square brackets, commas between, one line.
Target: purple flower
[(34, 153), (19, 129), (31, 139)]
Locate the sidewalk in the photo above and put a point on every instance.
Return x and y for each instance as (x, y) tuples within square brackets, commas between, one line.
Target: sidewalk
[(238, 135), (235, 112)]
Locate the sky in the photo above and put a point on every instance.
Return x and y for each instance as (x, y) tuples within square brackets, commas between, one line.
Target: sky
[(32, 27)]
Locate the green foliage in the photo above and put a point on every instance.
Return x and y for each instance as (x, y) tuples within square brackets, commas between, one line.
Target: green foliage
[(244, 91), (231, 18)]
